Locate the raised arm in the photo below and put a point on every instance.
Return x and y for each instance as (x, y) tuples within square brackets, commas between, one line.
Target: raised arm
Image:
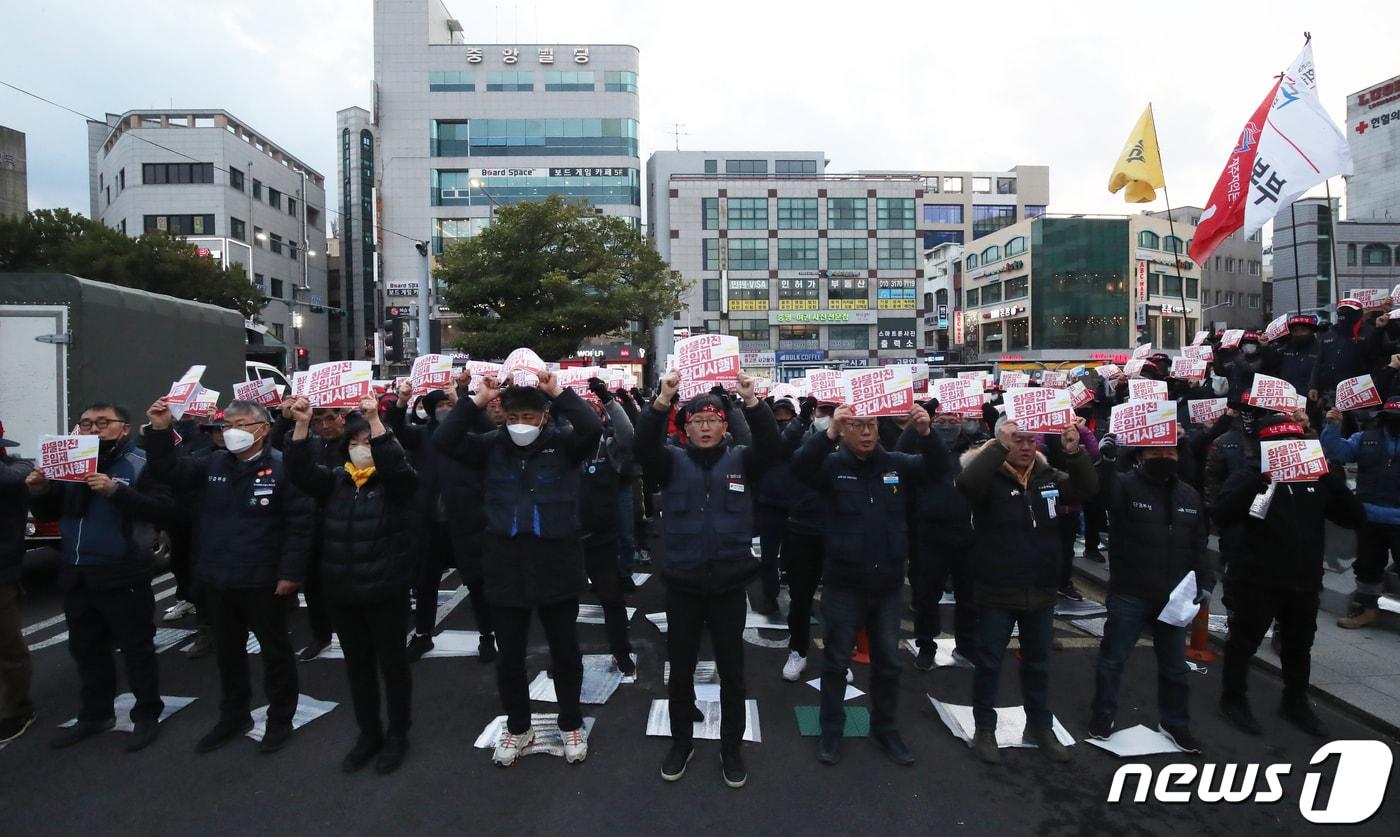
[(309, 475), (455, 435), (765, 448), (651, 432), (390, 461), (583, 441), (179, 472)]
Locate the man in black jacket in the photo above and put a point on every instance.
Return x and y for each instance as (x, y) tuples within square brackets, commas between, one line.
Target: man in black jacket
[(602, 522), (533, 549), (773, 502), (253, 532), (1161, 529), (108, 524), (16, 670), (802, 544), (1014, 493), (863, 488), (707, 516)]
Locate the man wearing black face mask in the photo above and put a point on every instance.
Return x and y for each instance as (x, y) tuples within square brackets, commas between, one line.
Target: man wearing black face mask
[(1160, 535), (1295, 359), (1342, 353)]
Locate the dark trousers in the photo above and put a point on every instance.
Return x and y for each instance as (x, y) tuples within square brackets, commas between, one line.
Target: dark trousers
[(99, 622), (687, 616), (994, 626), (1128, 616), (441, 545), (627, 526), (371, 635), (318, 610), (16, 670), (236, 612), (559, 621), (802, 560), (939, 562), (182, 559), (1376, 545), (601, 561), (1069, 530), (772, 529), (1095, 521), (845, 612), (1252, 610)]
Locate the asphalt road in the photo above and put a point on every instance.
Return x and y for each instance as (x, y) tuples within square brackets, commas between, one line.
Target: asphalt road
[(446, 785)]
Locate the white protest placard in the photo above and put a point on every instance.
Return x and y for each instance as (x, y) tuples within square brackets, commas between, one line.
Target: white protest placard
[(1358, 392), (1144, 424), (1015, 380), (960, 396), (761, 387), (1039, 409), (184, 391), (711, 358), (431, 372), (1142, 352), (1270, 393), (882, 391), (800, 384), (1292, 460), (1231, 338), (1080, 395), (1200, 338), (788, 390), (1207, 410), (1371, 298), (205, 403), (919, 374), (1133, 368), (1277, 328), (1146, 389), (1110, 371), (1395, 295), (1188, 369), (524, 360), (1054, 380), (340, 383), (576, 379), (68, 458), (1198, 353), (825, 386), (262, 391), (982, 377)]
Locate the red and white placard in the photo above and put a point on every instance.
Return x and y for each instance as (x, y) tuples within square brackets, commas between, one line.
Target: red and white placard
[(262, 391), (1277, 328), (1146, 389), (340, 383), (882, 391), (1200, 338), (1112, 371), (1054, 380), (1014, 380), (205, 403), (1207, 410), (1372, 299), (962, 396), (1144, 424), (1270, 393), (1080, 395), (1358, 392), (1142, 352), (68, 458), (1188, 369), (1133, 368), (184, 391), (1198, 353), (1292, 460), (1039, 409), (1231, 338), (431, 372), (709, 358), (825, 386)]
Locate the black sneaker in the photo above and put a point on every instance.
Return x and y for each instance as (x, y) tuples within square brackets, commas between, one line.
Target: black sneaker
[(419, 645), (732, 768), (1181, 737), (829, 749), (1301, 715), (143, 734), (222, 733), (313, 650), (275, 737), (894, 747), (624, 664), (81, 731), (485, 649), (364, 750), (391, 757), (12, 728), (925, 659), (1101, 727), (1238, 713), (673, 768), (1069, 591)]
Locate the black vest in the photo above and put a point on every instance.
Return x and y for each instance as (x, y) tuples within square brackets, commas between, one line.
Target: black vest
[(532, 495), (1231, 447), (707, 516), (1377, 471)]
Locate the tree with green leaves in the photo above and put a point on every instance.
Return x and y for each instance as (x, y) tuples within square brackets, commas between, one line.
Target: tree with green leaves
[(60, 242), (548, 275)]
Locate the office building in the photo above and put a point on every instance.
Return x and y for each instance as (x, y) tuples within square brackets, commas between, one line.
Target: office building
[(14, 176), (1232, 280), (1366, 255), (461, 126), (209, 178), (940, 297), (1373, 130), (959, 207), (355, 173)]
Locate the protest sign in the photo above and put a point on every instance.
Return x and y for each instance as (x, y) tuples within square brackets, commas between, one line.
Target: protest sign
[(1133, 368), (1146, 389), (1277, 328), (340, 383), (184, 391), (1270, 393), (1039, 409), (1200, 338), (1198, 353), (961, 396), (983, 378), (1144, 424), (1080, 395), (68, 458), (788, 390), (1142, 352), (524, 360), (1188, 369), (1207, 410), (1110, 371), (1015, 380), (706, 361), (825, 386), (576, 379), (1231, 338), (205, 403), (919, 374), (800, 384), (431, 372), (1054, 380), (1358, 392), (1293, 460), (262, 391), (1395, 295), (882, 391), (761, 387), (1371, 298)]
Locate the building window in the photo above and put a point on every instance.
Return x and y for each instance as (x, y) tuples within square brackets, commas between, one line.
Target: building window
[(896, 294), (277, 291), (1229, 264), (1018, 288), (748, 213), (449, 231), (798, 294), (596, 186), (752, 334), (180, 224), (619, 81), (533, 137), (710, 256), (745, 166), (943, 213), (569, 81), (450, 81), (894, 253), (711, 300), (1149, 240), (1006, 185), (847, 214), (988, 219), (847, 254), (313, 217), (847, 338), (794, 166), (275, 244), (845, 292), (176, 173), (748, 254), (1154, 284), (1375, 255), (1229, 297), (257, 189), (748, 295), (894, 213), (797, 213), (797, 254), (1351, 255), (981, 185), (933, 238), (274, 198), (235, 178), (1016, 246), (971, 261), (1034, 211), (952, 184), (237, 229), (1018, 334), (1254, 300), (258, 236), (292, 207), (1171, 244), (799, 337), (1193, 288), (711, 166), (973, 298), (449, 139), (991, 294), (510, 81), (1254, 268), (709, 213), (991, 254)]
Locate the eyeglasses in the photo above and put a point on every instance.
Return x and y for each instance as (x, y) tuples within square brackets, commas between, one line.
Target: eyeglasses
[(100, 424), (861, 427), (244, 425), (704, 423)]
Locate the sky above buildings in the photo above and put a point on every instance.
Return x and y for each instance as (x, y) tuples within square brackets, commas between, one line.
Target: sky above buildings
[(877, 85)]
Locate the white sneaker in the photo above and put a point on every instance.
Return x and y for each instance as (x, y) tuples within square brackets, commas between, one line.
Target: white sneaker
[(850, 676), (509, 747), (178, 611), (793, 668), (575, 745)]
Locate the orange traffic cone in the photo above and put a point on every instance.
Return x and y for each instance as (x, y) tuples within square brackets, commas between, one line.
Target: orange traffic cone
[(1199, 647), (862, 653)]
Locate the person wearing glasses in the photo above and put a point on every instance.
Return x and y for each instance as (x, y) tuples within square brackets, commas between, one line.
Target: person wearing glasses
[(707, 519), (253, 532), (108, 525)]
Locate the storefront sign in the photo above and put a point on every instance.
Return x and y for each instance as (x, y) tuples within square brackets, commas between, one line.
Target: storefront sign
[(854, 317), (1003, 312), (811, 356)]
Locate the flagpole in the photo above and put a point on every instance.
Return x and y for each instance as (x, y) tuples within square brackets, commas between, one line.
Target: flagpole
[(1336, 292), (1293, 238), (1171, 227)]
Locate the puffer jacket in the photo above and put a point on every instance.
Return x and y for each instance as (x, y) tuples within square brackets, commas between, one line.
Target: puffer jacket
[(1163, 530)]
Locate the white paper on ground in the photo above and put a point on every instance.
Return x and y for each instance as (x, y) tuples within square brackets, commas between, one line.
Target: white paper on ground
[(168, 638), (1092, 627), (706, 692), (775, 622), (1011, 724), (548, 739), (705, 672), (126, 701), (942, 653), (1181, 606), (639, 579), (455, 644), (1390, 604), (851, 691), (659, 620), (1088, 607), (308, 710), (591, 614), (659, 721), (600, 680), (1219, 623), (1136, 741), (948, 598)]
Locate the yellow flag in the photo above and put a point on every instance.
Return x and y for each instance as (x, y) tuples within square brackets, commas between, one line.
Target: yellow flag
[(1139, 165)]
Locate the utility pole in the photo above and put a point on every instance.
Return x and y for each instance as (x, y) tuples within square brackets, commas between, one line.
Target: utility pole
[(677, 133)]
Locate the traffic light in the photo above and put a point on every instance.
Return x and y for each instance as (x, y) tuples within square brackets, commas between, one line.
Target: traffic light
[(303, 360), (393, 339)]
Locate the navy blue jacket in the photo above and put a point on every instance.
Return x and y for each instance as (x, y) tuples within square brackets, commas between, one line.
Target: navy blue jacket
[(944, 515)]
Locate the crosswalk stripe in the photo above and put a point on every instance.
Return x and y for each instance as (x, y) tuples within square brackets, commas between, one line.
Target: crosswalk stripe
[(63, 637)]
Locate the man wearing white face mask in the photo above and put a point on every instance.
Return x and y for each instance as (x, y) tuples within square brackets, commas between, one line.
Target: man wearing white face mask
[(533, 558), (253, 533)]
